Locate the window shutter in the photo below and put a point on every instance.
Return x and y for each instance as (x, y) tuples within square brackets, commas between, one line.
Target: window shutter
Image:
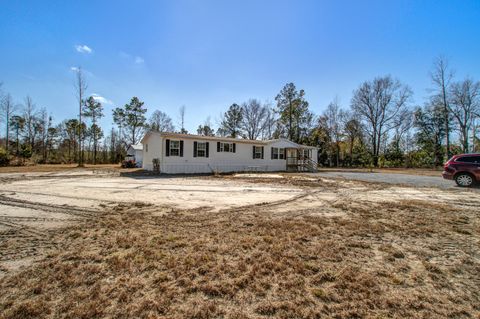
[(271, 152), (262, 152), (234, 147), (253, 151), (194, 149), (167, 147), (207, 146), (218, 147), (181, 148)]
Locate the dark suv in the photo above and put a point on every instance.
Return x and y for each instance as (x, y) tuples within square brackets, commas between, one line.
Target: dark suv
[(464, 169)]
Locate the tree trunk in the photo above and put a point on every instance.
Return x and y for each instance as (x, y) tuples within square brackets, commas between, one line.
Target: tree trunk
[(17, 140), (338, 153), (290, 123), (465, 139), (352, 140), (7, 123), (447, 125), (94, 152)]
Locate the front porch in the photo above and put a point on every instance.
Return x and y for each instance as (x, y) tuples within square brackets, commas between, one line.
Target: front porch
[(300, 160)]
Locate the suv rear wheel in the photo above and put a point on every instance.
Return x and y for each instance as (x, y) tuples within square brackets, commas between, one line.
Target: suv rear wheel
[(464, 180)]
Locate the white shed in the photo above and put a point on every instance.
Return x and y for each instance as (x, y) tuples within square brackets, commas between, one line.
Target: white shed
[(190, 154), (136, 151)]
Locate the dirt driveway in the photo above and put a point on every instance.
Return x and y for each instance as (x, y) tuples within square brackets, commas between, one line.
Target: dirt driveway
[(83, 244)]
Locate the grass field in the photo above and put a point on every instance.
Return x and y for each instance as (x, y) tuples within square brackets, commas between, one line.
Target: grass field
[(310, 248)]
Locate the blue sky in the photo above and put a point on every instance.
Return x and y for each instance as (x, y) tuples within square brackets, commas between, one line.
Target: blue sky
[(208, 54)]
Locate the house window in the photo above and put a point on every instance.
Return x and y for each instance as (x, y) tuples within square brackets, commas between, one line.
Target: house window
[(201, 149), (226, 147), (304, 153), (146, 148), (174, 148), (258, 152), (278, 153), (274, 152)]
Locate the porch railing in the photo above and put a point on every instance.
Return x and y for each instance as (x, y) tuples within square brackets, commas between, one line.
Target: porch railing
[(302, 163)]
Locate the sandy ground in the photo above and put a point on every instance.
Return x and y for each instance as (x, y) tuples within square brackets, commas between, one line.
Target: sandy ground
[(36, 203), (183, 192), (397, 240)]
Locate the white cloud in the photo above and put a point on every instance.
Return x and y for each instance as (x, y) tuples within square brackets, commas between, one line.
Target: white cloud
[(74, 68), (139, 60), (101, 99), (82, 48)]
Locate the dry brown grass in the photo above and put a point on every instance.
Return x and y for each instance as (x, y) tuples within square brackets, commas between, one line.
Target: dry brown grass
[(41, 168), (409, 258)]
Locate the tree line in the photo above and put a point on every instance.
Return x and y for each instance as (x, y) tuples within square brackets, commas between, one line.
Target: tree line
[(379, 127)]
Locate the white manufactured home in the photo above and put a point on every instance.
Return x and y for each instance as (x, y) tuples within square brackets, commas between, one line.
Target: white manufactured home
[(191, 154)]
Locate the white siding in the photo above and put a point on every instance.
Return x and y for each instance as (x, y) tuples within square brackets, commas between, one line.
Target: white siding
[(241, 160), (152, 148)]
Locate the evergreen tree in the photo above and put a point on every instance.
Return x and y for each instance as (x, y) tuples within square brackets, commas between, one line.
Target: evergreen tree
[(232, 121), (205, 130), (132, 119), (431, 130), (71, 129), (294, 113), (94, 110), (17, 123)]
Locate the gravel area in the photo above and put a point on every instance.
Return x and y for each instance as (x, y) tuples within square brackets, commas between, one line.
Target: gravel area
[(392, 178)]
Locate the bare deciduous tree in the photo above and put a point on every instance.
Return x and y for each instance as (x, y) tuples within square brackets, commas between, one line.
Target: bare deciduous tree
[(80, 85), (271, 124), (403, 124), (333, 117), (43, 120), (161, 122), (182, 119), (254, 116), (7, 108), (30, 115), (441, 77), (379, 103), (464, 105)]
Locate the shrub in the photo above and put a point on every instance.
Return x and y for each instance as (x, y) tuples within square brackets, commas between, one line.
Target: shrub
[(4, 160)]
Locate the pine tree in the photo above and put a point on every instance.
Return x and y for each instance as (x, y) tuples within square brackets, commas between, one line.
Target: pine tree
[(293, 110), (232, 121), (131, 118), (94, 110)]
